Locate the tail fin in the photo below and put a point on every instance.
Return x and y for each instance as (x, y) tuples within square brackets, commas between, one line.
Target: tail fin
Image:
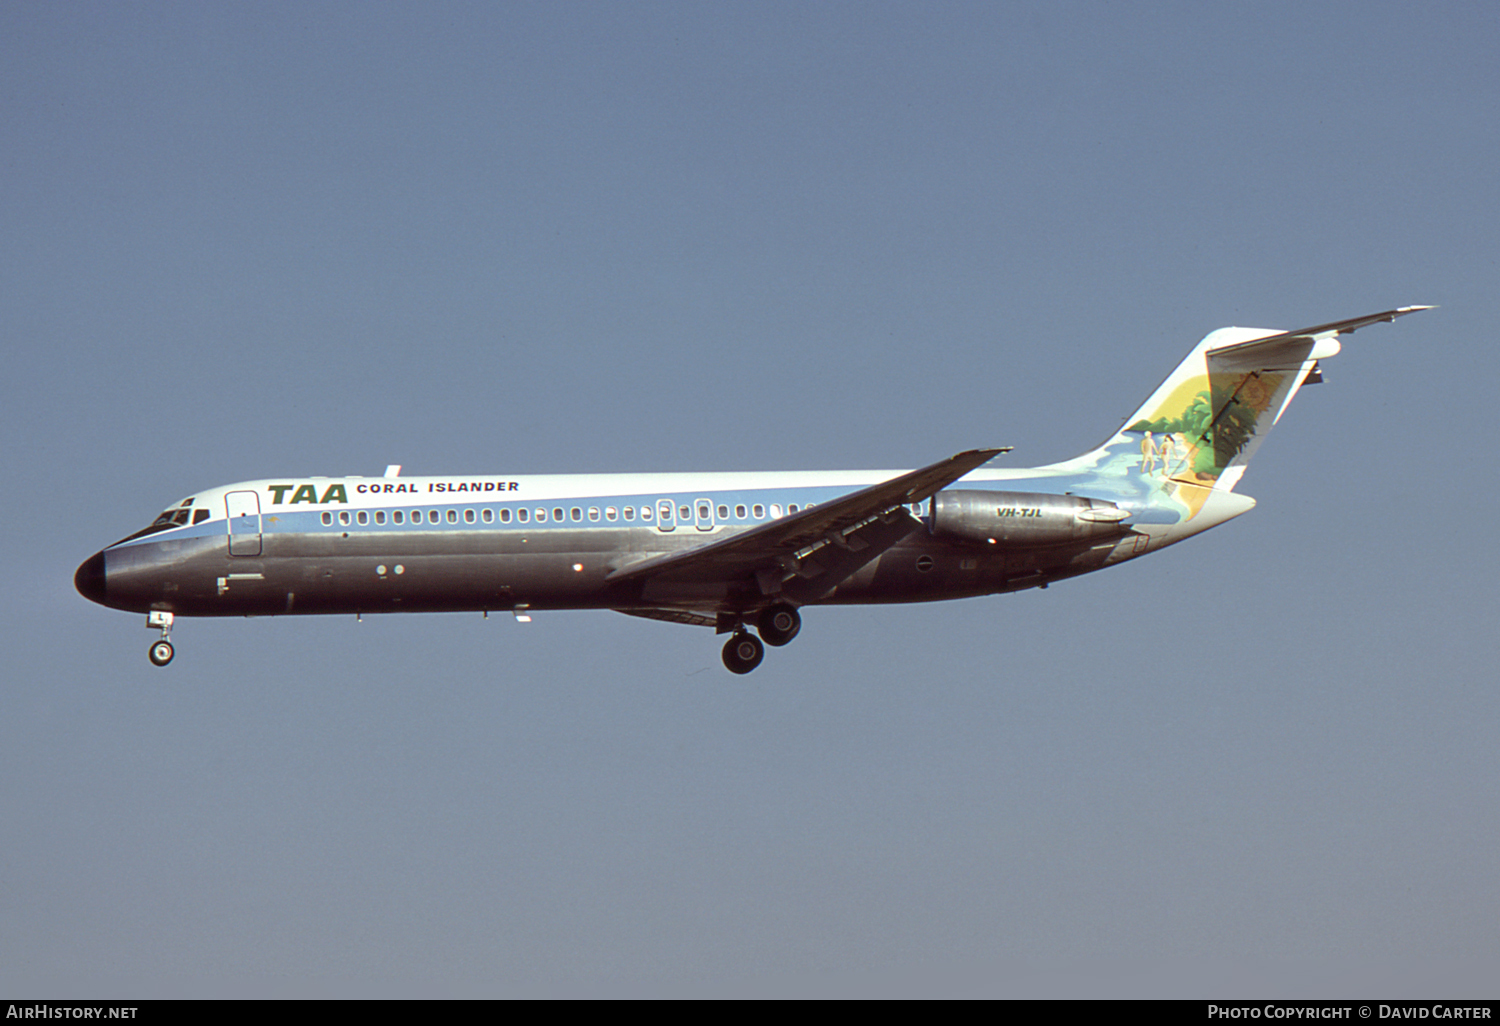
[(1204, 422)]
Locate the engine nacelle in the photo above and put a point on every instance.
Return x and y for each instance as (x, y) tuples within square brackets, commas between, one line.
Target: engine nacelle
[(1023, 518)]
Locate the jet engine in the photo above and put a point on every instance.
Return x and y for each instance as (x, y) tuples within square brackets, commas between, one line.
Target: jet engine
[(1023, 518)]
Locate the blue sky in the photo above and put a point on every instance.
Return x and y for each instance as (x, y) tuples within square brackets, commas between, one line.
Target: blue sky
[(244, 241)]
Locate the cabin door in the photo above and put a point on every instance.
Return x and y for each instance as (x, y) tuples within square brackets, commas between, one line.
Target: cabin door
[(243, 509)]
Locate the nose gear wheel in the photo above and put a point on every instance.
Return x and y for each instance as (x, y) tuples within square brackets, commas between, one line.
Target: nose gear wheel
[(160, 653)]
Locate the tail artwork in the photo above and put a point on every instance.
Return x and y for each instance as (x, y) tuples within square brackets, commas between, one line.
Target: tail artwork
[(1200, 427)]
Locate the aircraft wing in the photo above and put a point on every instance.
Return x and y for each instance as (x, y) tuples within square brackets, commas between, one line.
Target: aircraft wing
[(853, 530)]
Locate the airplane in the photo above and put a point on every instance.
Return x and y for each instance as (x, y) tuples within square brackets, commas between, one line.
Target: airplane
[(726, 550)]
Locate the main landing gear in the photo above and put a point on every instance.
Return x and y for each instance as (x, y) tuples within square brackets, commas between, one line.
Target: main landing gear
[(161, 652), (743, 652), (777, 624)]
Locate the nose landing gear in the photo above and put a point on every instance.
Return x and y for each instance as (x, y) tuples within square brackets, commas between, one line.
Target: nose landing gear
[(161, 652)]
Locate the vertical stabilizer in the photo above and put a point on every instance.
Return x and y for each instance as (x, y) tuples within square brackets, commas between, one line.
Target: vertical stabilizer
[(1198, 430), (1202, 425)]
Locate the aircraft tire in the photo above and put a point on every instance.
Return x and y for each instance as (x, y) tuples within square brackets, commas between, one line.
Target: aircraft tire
[(160, 653), (743, 652), (778, 624)]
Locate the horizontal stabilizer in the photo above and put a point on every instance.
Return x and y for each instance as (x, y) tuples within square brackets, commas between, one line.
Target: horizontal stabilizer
[(1321, 331)]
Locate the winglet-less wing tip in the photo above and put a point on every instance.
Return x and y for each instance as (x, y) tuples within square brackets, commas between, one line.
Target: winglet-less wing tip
[(972, 459), (988, 454)]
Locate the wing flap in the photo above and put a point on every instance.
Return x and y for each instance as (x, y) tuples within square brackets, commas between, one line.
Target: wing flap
[(815, 574)]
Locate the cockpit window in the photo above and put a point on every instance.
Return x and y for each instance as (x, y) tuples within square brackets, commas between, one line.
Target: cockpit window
[(177, 516)]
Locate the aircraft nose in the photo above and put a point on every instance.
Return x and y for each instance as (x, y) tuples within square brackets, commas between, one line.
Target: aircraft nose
[(89, 580)]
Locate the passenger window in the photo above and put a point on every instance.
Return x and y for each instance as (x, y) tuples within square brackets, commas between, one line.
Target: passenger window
[(327, 519), (577, 514), (505, 515), (792, 508), (593, 512), (344, 517), (397, 517), (468, 516), (629, 512), (759, 511), (723, 512), (453, 516), (380, 516), (684, 512), (488, 516), (416, 516), (557, 513), (609, 513), (739, 512), (523, 514), (362, 518), (775, 511), (647, 512), (433, 517), (200, 516), (665, 510)]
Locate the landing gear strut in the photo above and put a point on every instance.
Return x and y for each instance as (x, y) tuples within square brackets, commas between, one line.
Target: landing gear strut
[(743, 652), (161, 652)]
